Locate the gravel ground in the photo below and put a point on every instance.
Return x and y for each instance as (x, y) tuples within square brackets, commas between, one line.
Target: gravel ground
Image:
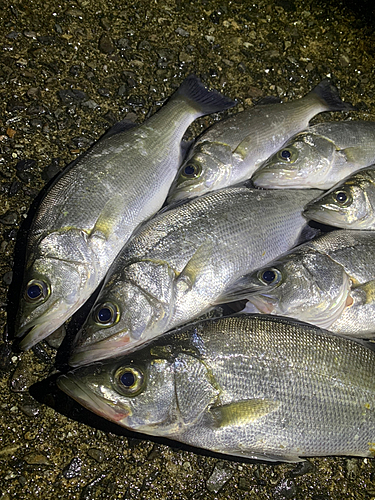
[(68, 71)]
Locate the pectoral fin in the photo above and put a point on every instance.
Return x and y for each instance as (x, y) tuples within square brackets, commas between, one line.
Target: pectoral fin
[(108, 218), (355, 155), (196, 265), (242, 412)]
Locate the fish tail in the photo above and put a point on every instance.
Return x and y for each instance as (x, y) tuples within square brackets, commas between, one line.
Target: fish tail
[(328, 94), (204, 100)]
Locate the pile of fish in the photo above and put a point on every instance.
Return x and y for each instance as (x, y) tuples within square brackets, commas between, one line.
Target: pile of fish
[(236, 228)]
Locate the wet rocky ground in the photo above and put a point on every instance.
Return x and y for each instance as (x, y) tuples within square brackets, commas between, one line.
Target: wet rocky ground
[(68, 71)]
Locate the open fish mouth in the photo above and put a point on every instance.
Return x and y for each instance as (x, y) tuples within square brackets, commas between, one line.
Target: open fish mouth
[(110, 347), (72, 386)]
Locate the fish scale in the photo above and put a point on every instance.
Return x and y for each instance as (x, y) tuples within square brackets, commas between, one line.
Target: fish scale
[(265, 387), (194, 251), (97, 203)]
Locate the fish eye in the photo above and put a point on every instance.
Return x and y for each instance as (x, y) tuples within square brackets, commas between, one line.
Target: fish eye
[(288, 155), (130, 380), (342, 197), (270, 276), (106, 314), (36, 290), (191, 171)]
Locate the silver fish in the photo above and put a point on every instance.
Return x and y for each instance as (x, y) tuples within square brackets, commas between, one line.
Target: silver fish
[(350, 204), (248, 385), (92, 209), (319, 157), (232, 149), (327, 282), (178, 263)]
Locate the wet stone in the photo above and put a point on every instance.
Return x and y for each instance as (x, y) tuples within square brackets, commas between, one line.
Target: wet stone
[(9, 218), (73, 469), (25, 164), (14, 188), (97, 455), (36, 458), (71, 96), (7, 277), (75, 70), (285, 489), (244, 484), (303, 468), (22, 377), (123, 43), (104, 92), (30, 410), (41, 353), (33, 93), (136, 101), (51, 170), (182, 32), (220, 475), (106, 45), (90, 104)]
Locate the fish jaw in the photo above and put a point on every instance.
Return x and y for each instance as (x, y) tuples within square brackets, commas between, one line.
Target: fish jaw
[(71, 284), (85, 354), (71, 385)]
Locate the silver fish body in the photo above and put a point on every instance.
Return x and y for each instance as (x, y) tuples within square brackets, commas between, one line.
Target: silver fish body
[(350, 204), (177, 265), (248, 385), (232, 149), (319, 157), (93, 208), (328, 282)]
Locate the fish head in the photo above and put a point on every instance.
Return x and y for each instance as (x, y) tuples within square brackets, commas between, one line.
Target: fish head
[(350, 204), (59, 278), (303, 162), (305, 285), (133, 307), (206, 169), (138, 394), (164, 388)]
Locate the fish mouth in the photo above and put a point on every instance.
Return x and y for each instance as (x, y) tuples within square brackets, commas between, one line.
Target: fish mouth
[(74, 388), (264, 304), (323, 215), (108, 348)]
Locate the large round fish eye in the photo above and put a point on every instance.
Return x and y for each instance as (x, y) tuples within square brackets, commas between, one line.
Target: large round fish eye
[(129, 380), (106, 314), (270, 276), (36, 290), (288, 155), (342, 197), (191, 171)]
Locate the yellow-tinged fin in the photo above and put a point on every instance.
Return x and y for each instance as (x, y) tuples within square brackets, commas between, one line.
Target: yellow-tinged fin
[(196, 264), (108, 218), (356, 155), (243, 412)]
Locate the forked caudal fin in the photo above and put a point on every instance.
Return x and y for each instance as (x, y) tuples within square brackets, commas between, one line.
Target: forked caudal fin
[(206, 101), (329, 95)]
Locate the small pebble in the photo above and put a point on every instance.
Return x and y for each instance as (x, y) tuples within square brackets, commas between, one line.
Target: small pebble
[(36, 458), (22, 377), (9, 218), (96, 454), (73, 469), (220, 475), (7, 277), (106, 45)]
